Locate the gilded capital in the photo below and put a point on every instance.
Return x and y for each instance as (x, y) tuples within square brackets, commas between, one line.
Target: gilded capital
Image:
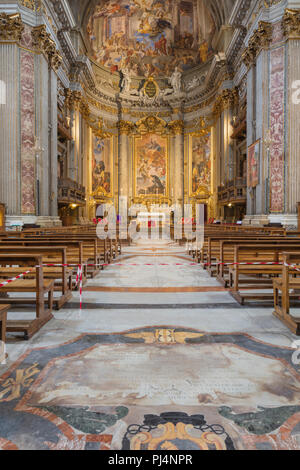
[(45, 44), (227, 99), (260, 39), (11, 27), (84, 109), (176, 127), (291, 23), (73, 99), (125, 127)]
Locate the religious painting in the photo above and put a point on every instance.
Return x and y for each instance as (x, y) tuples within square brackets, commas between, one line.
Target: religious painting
[(151, 165), (102, 167), (253, 164), (200, 166), (150, 37)]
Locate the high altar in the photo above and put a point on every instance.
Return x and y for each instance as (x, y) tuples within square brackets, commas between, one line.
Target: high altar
[(153, 162)]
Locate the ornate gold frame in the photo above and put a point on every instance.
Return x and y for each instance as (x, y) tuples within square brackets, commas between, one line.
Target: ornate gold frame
[(202, 192), (151, 198), (103, 196)]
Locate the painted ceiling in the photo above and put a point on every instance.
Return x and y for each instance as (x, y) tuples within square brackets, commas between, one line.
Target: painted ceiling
[(151, 37)]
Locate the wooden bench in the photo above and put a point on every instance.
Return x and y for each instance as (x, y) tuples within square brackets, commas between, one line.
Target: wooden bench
[(227, 247), (256, 277), (282, 295), (62, 275), (3, 319), (40, 286), (75, 254), (213, 249), (94, 251)]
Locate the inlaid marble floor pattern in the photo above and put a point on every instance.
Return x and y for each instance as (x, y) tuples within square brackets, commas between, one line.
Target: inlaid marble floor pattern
[(161, 356)]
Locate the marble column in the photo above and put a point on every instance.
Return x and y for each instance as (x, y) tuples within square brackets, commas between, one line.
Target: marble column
[(292, 168), (178, 132), (123, 158), (53, 143), (28, 132), (273, 109)]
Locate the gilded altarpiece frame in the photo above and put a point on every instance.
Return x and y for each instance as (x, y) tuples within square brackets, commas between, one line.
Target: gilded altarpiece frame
[(200, 165), (151, 149), (103, 171)]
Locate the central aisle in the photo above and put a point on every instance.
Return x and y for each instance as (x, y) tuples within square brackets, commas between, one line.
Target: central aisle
[(165, 355)]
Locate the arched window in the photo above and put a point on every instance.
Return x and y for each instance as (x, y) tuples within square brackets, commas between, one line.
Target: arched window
[(2, 92)]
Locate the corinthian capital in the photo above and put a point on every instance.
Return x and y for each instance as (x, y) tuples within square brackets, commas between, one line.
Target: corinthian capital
[(45, 44), (291, 23), (176, 127), (11, 27), (260, 39)]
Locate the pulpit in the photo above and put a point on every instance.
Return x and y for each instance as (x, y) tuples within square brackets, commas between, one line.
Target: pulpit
[(2, 217)]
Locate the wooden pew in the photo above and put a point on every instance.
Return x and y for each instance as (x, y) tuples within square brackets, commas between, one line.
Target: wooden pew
[(214, 249), (282, 295), (3, 319), (62, 275), (40, 286), (256, 276), (227, 250), (75, 254), (94, 251)]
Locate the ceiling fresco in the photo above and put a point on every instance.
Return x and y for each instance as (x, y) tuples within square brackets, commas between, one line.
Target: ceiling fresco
[(150, 37)]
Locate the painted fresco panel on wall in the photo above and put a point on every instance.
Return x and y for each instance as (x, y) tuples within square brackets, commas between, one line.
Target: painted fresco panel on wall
[(151, 165), (102, 166), (253, 164), (150, 37), (201, 164)]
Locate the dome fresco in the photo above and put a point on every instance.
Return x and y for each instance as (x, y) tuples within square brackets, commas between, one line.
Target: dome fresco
[(150, 37)]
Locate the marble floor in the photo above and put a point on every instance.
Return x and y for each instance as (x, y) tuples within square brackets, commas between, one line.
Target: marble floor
[(160, 357)]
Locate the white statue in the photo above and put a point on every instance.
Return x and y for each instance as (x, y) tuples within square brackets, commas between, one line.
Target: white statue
[(175, 81), (126, 81)]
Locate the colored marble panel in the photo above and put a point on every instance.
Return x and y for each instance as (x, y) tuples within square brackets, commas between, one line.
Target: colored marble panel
[(277, 127), (27, 132)]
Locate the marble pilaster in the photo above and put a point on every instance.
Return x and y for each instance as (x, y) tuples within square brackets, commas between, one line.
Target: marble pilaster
[(10, 180)]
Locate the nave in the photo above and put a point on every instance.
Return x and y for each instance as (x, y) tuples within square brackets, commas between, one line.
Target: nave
[(160, 357)]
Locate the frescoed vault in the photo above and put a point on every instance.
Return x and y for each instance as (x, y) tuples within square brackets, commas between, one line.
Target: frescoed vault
[(151, 37)]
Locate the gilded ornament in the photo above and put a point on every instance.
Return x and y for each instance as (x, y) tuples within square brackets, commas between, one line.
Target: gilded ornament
[(11, 27), (291, 23)]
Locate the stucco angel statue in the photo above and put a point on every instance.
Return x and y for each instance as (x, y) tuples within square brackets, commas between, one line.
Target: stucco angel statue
[(126, 81), (175, 81)]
